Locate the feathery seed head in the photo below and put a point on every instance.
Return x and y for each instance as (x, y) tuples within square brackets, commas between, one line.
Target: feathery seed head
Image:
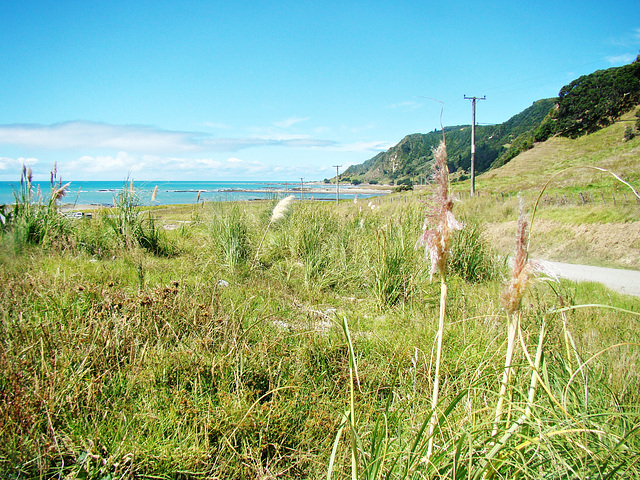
[(54, 173), (155, 192), (524, 270), (281, 208), (60, 192), (438, 239)]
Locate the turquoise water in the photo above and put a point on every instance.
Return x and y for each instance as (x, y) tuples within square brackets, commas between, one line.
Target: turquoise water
[(104, 192)]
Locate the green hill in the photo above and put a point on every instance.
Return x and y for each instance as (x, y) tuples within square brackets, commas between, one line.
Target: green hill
[(410, 160), (586, 105), (611, 148)]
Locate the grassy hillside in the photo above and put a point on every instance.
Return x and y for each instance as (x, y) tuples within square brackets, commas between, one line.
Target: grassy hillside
[(410, 160), (606, 148)]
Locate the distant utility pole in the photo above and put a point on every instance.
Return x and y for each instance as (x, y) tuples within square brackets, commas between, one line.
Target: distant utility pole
[(337, 184), (473, 141), (301, 187)]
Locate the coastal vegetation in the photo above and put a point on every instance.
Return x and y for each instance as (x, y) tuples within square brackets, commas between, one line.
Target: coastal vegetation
[(288, 339)]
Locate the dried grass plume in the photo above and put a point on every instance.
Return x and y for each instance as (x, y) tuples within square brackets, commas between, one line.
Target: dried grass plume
[(524, 270), (281, 208), (438, 239)]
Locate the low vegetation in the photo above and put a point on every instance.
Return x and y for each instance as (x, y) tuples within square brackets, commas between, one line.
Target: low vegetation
[(302, 340)]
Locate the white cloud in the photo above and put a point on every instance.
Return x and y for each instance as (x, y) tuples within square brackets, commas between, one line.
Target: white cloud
[(125, 165), (289, 122), (269, 140), (103, 164), (408, 105), (16, 163), (137, 138), (77, 135), (222, 126), (621, 59), (626, 39), (372, 146)]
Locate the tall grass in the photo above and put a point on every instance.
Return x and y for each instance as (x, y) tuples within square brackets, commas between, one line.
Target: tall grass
[(230, 232), (135, 228), (471, 257), (35, 218), (134, 365)]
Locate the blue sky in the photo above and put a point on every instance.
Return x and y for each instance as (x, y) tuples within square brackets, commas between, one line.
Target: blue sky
[(275, 90)]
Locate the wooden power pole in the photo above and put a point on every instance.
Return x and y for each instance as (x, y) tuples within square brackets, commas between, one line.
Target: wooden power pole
[(473, 141), (337, 184)]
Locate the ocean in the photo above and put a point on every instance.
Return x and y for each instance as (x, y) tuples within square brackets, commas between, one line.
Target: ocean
[(104, 192)]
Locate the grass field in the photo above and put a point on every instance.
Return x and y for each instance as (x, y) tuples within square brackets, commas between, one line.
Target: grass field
[(263, 340)]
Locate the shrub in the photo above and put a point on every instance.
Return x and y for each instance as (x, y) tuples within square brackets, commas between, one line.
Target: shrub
[(403, 188), (628, 134)]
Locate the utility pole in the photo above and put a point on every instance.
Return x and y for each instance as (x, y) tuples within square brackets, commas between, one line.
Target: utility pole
[(301, 187), (337, 184), (473, 141)]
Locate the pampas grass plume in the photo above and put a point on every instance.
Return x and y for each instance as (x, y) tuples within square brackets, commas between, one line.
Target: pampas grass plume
[(437, 240), (521, 271), (524, 270), (60, 192), (281, 208)]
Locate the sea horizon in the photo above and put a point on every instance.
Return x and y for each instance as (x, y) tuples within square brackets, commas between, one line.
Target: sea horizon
[(104, 192)]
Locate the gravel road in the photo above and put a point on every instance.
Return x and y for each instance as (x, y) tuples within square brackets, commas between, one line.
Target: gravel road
[(624, 281)]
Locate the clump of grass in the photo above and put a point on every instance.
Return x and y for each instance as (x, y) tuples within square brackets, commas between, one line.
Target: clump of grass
[(135, 229), (471, 257), (395, 276), (36, 219), (230, 232)]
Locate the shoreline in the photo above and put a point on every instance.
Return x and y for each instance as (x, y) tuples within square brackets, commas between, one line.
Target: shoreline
[(309, 189)]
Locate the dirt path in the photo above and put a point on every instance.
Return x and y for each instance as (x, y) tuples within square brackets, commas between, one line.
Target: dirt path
[(623, 281)]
